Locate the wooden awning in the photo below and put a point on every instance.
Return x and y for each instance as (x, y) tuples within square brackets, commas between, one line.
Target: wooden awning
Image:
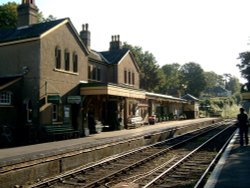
[(111, 89)]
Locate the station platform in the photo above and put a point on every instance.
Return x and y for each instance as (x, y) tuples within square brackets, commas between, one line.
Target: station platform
[(22, 165), (233, 169), (36, 151)]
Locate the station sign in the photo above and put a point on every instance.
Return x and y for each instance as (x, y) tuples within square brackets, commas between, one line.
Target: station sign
[(74, 99)]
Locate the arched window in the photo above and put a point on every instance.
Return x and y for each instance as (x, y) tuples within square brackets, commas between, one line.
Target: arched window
[(5, 98), (66, 60), (58, 57)]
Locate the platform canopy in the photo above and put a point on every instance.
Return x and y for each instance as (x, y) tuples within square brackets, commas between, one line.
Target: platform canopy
[(111, 89)]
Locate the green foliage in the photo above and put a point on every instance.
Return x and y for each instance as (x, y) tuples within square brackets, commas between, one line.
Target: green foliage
[(172, 82), (225, 107), (192, 75), (233, 84), (8, 15), (244, 65), (213, 80), (151, 77)]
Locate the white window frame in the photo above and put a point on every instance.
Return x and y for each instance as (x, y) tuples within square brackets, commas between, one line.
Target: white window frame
[(5, 98)]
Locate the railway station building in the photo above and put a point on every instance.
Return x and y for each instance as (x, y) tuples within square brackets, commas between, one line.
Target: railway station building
[(52, 84)]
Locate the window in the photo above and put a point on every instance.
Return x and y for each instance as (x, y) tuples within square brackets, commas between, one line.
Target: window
[(133, 78), (66, 60), (58, 57), (28, 111), (5, 98), (98, 74), (94, 73), (75, 62), (89, 72), (129, 77), (125, 76), (54, 112)]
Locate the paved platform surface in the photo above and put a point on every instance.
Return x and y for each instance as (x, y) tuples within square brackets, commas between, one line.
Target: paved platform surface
[(233, 169), (26, 153)]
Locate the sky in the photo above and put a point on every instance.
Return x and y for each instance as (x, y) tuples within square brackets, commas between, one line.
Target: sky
[(211, 33)]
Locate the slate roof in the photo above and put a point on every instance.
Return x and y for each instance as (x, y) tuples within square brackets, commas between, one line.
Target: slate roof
[(114, 56), (26, 32)]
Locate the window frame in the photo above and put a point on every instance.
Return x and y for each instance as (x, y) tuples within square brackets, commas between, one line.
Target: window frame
[(5, 98), (129, 77), (125, 76), (75, 62), (58, 62), (29, 111), (66, 60), (55, 112), (133, 78), (98, 74)]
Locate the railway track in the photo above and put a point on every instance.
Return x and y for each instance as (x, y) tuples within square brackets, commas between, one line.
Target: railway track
[(143, 165)]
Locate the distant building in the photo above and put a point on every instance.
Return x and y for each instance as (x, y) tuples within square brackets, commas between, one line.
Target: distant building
[(219, 91), (192, 109)]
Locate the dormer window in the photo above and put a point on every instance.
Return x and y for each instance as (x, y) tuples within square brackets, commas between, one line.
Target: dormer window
[(5, 98), (66, 60)]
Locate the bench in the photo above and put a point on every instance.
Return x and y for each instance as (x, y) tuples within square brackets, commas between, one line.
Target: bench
[(61, 131), (135, 122)]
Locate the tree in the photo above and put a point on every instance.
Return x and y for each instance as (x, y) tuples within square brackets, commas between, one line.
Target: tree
[(8, 15), (244, 65), (212, 79), (151, 77), (193, 79), (233, 84), (172, 82)]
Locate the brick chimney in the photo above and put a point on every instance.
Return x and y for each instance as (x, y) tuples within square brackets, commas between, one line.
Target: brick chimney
[(27, 13), (85, 35), (115, 43)]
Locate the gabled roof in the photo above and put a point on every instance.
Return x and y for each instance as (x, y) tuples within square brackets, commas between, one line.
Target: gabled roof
[(114, 56), (26, 32), (35, 32)]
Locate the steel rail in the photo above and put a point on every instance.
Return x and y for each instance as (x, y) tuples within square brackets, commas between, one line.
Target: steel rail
[(61, 178), (151, 183)]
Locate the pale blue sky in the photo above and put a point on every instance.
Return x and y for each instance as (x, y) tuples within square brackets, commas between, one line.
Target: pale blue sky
[(209, 32)]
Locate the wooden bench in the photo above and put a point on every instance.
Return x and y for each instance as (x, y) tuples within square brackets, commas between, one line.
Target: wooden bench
[(60, 131), (135, 122)]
